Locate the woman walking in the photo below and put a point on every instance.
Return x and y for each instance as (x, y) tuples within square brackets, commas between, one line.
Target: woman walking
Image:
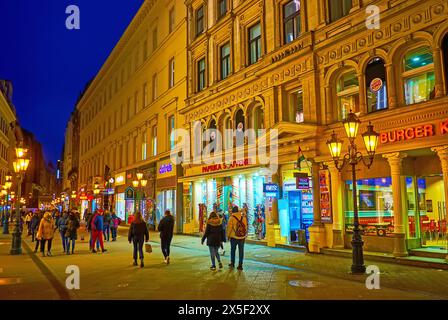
[(215, 235), (138, 234), (46, 233), (62, 226), (71, 233), (166, 229)]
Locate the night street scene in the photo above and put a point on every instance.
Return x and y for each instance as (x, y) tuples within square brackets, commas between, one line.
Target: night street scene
[(240, 152)]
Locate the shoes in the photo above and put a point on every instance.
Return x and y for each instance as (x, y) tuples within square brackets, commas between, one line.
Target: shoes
[(68, 252), (231, 266), (168, 260), (135, 263), (220, 265), (213, 268), (141, 264), (93, 251), (240, 267), (49, 253), (103, 250)]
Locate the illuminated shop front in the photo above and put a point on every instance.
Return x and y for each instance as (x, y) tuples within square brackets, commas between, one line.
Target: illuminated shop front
[(120, 203), (221, 189), (166, 191)]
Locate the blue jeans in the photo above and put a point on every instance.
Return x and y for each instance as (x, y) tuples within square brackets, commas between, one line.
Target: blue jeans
[(113, 231), (138, 247), (63, 238), (165, 246), (106, 233), (233, 244), (67, 244), (214, 253)]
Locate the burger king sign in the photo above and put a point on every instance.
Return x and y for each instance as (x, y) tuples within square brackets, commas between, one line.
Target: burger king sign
[(376, 85)]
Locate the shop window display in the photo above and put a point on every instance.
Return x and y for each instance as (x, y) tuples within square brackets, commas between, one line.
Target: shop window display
[(375, 206)]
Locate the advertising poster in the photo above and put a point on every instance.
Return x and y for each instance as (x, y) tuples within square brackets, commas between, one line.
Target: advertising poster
[(325, 197)]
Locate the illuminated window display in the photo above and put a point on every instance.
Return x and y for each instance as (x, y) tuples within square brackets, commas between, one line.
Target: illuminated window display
[(375, 205)]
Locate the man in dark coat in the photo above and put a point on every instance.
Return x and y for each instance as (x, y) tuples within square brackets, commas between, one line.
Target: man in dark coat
[(166, 229)]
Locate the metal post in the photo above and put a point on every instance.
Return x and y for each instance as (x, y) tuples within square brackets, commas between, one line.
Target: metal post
[(16, 247), (357, 243)]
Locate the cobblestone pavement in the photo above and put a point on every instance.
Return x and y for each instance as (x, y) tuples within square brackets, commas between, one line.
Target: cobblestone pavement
[(269, 273)]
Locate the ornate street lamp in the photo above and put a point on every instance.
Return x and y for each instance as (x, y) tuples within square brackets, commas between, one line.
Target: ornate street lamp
[(138, 184), (20, 165), (353, 157)]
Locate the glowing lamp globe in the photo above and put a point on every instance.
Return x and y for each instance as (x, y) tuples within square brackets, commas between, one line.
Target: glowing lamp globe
[(20, 152), (144, 182), (139, 175), (335, 146), (351, 125), (135, 183), (371, 138)]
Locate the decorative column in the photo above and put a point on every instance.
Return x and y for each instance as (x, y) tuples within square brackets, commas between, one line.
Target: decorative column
[(336, 206), (250, 192), (317, 229), (391, 86), (362, 93), (400, 214), (438, 66), (442, 152)]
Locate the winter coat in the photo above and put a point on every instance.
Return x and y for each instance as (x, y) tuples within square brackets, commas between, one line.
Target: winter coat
[(233, 223), (166, 227), (72, 225), (97, 223), (34, 223), (138, 231), (107, 219), (61, 223), (214, 233), (46, 228), (115, 221), (88, 218)]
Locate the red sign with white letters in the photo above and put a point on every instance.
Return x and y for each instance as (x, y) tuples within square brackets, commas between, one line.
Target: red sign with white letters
[(416, 132)]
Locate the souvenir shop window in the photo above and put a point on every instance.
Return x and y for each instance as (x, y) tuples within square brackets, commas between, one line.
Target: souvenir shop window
[(347, 92), (376, 88), (375, 206), (418, 75)]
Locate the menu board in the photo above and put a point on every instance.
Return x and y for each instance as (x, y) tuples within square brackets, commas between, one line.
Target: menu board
[(325, 196)]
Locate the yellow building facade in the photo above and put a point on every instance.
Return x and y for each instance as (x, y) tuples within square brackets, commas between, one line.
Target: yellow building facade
[(7, 136), (128, 111), (300, 67)]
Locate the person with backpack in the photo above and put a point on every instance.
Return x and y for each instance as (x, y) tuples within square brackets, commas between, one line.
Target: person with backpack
[(71, 231), (215, 235), (166, 229), (237, 233), (97, 226), (115, 222), (138, 234)]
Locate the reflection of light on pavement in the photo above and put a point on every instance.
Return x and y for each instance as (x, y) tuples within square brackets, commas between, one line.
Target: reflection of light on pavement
[(123, 285), (9, 281), (305, 283)]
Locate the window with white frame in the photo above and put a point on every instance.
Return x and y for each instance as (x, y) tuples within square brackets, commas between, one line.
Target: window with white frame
[(254, 43), (291, 20), (200, 20), (347, 92), (225, 60)]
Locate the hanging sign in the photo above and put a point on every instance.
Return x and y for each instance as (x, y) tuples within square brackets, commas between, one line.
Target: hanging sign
[(325, 198), (271, 189), (302, 181)]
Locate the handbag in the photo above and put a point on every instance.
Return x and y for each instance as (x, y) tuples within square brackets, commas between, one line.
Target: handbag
[(148, 247)]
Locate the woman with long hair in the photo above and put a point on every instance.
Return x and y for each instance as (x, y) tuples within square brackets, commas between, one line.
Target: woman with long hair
[(138, 234)]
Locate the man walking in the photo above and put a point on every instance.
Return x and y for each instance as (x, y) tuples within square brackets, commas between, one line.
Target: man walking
[(97, 230), (236, 232), (166, 228)]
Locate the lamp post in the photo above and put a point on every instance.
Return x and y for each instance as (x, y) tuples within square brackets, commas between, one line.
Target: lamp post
[(138, 184), (20, 165), (352, 158)]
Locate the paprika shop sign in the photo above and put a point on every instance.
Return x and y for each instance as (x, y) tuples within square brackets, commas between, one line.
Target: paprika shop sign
[(415, 132)]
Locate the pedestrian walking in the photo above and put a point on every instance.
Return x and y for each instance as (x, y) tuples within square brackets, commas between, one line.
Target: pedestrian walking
[(106, 228), (89, 216), (38, 240), (62, 227), (97, 230), (6, 223), (46, 233), (71, 233), (138, 234), (115, 222), (166, 229), (27, 222), (237, 233), (215, 235), (34, 224)]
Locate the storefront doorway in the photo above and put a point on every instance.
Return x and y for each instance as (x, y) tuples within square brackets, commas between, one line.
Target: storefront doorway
[(166, 200)]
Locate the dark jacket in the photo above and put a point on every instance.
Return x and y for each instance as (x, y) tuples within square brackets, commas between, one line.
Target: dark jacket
[(214, 233), (34, 223), (107, 219), (166, 227), (97, 223), (61, 224), (72, 225), (138, 231)]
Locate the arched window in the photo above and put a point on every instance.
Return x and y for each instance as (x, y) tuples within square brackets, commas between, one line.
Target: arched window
[(445, 59), (257, 120), (347, 91), (240, 128), (376, 88), (418, 75), (227, 133)]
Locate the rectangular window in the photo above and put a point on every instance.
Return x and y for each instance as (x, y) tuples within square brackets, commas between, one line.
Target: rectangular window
[(225, 61), (136, 108), (171, 73), (154, 140), (419, 88), (171, 20), (347, 89), (339, 9), (145, 95), (154, 39), (145, 49), (294, 111), (199, 20), (291, 20), (144, 144), (201, 74), (222, 8), (154, 86), (170, 130), (254, 43)]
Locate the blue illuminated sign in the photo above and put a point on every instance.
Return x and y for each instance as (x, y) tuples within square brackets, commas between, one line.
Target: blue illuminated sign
[(271, 189)]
